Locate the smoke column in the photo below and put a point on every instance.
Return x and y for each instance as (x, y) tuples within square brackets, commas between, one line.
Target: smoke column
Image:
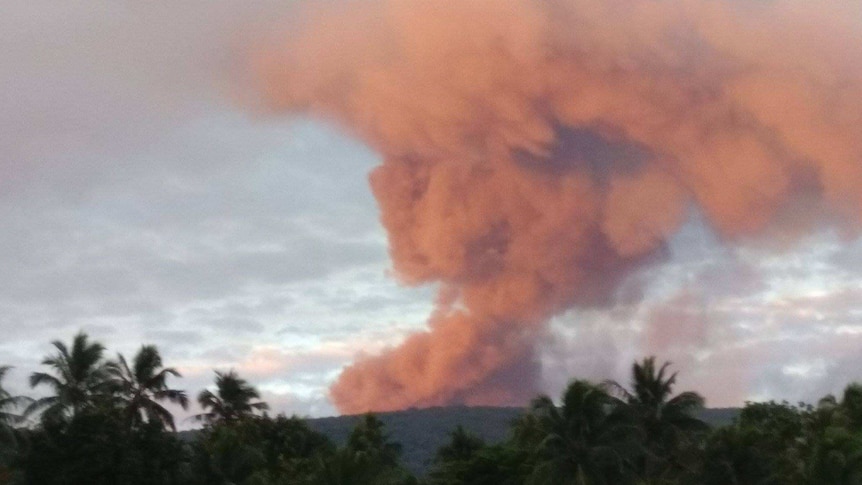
[(538, 151)]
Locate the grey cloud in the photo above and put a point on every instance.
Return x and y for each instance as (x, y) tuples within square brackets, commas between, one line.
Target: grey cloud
[(223, 353), (175, 337), (747, 322), (142, 204), (232, 325)]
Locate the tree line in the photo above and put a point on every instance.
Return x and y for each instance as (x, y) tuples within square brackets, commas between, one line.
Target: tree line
[(104, 421)]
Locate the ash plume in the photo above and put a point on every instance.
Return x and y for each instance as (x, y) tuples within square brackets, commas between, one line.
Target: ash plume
[(538, 151)]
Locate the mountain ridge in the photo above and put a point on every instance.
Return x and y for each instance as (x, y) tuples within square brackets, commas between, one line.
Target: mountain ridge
[(422, 431)]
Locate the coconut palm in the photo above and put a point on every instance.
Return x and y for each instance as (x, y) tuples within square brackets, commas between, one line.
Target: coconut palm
[(8, 416), (232, 400), (78, 378), (583, 441), (667, 421), (8, 402), (143, 385)]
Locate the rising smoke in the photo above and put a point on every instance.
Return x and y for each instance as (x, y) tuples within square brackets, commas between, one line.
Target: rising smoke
[(538, 151)]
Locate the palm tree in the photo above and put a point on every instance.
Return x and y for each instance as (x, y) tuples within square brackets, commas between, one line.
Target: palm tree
[(9, 402), (143, 385), (667, 421), (79, 378), (232, 400), (8, 417), (583, 442)]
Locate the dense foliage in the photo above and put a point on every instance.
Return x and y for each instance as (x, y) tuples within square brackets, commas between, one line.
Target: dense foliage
[(104, 422)]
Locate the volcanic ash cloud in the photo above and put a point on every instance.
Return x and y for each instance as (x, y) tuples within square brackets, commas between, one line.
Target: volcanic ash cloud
[(538, 151)]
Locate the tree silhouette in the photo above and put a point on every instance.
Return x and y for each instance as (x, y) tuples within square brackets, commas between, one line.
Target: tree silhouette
[(368, 459), (143, 386), (456, 460), (851, 404), (232, 400), (583, 441), (8, 402), (667, 420), (9, 417), (78, 379), (462, 446), (368, 438)]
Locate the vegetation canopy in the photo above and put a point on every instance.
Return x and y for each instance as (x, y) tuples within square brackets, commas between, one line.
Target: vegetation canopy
[(105, 422)]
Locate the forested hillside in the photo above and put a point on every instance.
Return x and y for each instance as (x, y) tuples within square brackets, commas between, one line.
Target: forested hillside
[(421, 432)]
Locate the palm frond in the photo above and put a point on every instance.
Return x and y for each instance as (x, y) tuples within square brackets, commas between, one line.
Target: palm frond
[(173, 395), (40, 378), (40, 404), (259, 406)]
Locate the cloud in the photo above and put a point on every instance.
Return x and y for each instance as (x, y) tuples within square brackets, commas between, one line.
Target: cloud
[(143, 203)]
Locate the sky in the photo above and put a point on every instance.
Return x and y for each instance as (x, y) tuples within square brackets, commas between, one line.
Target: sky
[(142, 201)]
